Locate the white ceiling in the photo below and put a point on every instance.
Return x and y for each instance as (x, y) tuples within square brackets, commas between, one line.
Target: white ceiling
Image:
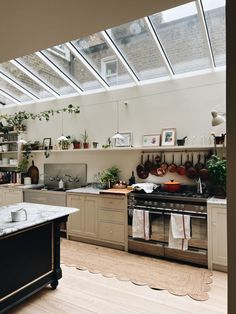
[(27, 26)]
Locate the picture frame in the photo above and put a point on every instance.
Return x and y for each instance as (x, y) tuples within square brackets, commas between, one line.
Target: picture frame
[(168, 137), (126, 142), (47, 142), (151, 140)]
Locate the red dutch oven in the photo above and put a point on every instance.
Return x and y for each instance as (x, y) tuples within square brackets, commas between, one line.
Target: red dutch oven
[(172, 186)]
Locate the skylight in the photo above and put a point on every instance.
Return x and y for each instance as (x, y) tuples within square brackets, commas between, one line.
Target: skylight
[(165, 45)]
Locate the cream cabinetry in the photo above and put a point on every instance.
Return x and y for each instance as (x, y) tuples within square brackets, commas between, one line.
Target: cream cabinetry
[(84, 222), (217, 236), (102, 219), (10, 196)]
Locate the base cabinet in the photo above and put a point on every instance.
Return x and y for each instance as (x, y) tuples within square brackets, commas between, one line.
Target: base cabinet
[(84, 222), (217, 237), (10, 196), (101, 219)]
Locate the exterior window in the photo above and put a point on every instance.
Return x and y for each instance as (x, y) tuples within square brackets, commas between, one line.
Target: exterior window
[(109, 67)]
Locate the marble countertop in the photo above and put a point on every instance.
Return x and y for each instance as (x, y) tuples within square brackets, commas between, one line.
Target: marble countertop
[(217, 201), (20, 186), (86, 189), (37, 214)]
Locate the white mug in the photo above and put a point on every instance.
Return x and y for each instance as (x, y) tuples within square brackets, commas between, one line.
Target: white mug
[(19, 215)]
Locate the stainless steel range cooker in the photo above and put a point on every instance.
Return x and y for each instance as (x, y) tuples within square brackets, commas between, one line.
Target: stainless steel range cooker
[(160, 205)]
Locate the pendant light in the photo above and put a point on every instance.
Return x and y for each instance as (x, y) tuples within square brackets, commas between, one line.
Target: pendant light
[(117, 135), (217, 118), (62, 137)]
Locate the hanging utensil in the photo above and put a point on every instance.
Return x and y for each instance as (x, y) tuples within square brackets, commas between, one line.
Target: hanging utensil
[(141, 170), (199, 165), (181, 170), (148, 164), (191, 171), (172, 167), (203, 173), (153, 167), (164, 164), (188, 163)]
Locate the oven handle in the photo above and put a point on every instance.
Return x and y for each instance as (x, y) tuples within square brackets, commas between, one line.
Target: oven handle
[(192, 216)]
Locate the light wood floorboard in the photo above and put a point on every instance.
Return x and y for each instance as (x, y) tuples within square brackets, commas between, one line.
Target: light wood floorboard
[(85, 293)]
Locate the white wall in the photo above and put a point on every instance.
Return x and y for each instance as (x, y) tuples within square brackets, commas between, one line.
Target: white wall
[(184, 104)]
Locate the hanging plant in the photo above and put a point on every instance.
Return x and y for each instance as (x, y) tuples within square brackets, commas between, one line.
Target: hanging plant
[(16, 119)]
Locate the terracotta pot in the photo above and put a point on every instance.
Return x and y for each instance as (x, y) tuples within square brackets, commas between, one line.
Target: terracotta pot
[(76, 145), (85, 145), (172, 186)]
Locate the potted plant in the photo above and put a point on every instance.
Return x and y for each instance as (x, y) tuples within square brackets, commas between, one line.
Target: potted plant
[(85, 139), (64, 142), (24, 162), (110, 176), (217, 173), (76, 144)]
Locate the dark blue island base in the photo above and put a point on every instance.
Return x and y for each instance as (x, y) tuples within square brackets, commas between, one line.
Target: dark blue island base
[(29, 261)]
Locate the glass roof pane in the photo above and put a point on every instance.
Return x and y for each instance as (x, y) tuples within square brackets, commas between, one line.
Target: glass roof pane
[(214, 11), (12, 91), (181, 35), (139, 48), (25, 81), (5, 100), (46, 74), (64, 59), (103, 59)]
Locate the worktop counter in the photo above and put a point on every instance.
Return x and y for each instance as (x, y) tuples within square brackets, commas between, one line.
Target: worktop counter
[(37, 214), (217, 201)]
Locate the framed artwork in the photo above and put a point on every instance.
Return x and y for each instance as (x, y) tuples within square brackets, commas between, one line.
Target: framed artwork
[(151, 140), (168, 137), (127, 141), (47, 142)]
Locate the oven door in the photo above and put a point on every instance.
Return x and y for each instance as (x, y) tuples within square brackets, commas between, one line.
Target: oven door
[(197, 245), (155, 245)]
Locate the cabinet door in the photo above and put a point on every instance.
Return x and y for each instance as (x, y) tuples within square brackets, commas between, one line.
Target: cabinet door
[(90, 216), (2, 201), (13, 196), (75, 221), (219, 236)]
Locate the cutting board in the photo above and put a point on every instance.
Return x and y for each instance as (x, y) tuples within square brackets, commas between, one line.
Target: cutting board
[(33, 172), (115, 191)]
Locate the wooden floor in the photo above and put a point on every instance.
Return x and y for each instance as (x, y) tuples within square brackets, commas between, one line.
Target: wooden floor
[(82, 292)]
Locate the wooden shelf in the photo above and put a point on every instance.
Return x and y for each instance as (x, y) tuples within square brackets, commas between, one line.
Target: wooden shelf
[(8, 166), (9, 152), (142, 149)]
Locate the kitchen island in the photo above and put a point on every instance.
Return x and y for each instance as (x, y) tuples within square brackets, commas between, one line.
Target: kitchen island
[(30, 251)]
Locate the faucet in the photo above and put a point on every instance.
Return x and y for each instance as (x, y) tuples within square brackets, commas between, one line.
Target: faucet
[(199, 186)]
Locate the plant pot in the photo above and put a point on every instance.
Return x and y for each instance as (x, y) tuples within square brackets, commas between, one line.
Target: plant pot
[(85, 145), (76, 145), (95, 144), (219, 191)]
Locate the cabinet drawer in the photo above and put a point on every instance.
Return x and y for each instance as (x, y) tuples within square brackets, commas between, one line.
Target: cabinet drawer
[(112, 203), (111, 215), (111, 232)]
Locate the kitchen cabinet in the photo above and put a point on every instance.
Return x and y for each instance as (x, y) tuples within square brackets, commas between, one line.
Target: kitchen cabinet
[(217, 235), (84, 222), (10, 196), (102, 219)]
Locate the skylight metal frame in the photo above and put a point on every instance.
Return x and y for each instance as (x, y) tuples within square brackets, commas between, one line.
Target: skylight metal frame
[(18, 86), (120, 56), (38, 80), (15, 100), (88, 66), (159, 46), (203, 24), (59, 71)]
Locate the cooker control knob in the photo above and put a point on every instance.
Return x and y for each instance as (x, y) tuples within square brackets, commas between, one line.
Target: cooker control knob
[(171, 205), (163, 204), (150, 203), (145, 202), (155, 203), (201, 208), (177, 205), (182, 206), (196, 208)]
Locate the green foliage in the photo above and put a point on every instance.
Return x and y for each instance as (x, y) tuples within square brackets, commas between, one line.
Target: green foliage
[(217, 170), (26, 154), (84, 136), (16, 119), (110, 175)]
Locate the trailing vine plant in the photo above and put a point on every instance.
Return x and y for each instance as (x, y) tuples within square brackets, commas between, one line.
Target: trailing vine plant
[(16, 119)]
